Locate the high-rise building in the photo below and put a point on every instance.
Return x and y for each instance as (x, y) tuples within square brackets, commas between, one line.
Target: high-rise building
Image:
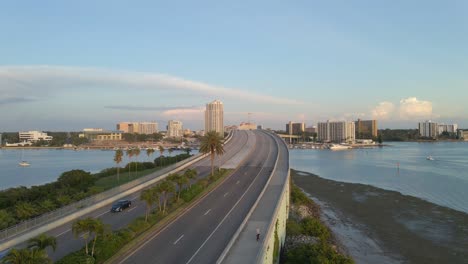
[(448, 128), (214, 117), (295, 128), (428, 129), (339, 132), (174, 128), (366, 129)]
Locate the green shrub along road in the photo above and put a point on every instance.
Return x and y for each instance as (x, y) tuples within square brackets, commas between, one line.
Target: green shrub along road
[(21, 203), (320, 251), (112, 244)]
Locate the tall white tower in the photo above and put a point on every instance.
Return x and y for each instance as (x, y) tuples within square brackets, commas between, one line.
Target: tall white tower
[(214, 117)]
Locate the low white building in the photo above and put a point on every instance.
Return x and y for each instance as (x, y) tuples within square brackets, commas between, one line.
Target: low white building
[(34, 136)]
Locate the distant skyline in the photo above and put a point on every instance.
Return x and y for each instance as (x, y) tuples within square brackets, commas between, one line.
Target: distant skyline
[(70, 65)]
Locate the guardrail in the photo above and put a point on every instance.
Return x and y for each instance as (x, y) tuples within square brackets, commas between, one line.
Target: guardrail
[(74, 207)]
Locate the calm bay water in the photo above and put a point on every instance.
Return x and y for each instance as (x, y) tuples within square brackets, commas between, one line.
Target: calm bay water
[(48, 164), (443, 181)]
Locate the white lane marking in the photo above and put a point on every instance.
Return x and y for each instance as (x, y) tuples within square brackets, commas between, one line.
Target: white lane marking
[(178, 239), (131, 209), (222, 221), (64, 232), (237, 182), (207, 211), (99, 215), (226, 194)]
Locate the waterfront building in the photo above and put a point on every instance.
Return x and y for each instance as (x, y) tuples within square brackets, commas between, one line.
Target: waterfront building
[(295, 128), (174, 129), (448, 128), (336, 131), (462, 134), (214, 117), (99, 134), (312, 129), (247, 126), (33, 136), (428, 129), (138, 127), (366, 129)]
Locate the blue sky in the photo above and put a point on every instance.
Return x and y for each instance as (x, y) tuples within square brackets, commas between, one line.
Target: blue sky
[(68, 65)]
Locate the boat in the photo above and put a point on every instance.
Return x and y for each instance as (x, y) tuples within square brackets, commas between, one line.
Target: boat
[(429, 158), (339, 147), (24, 164)]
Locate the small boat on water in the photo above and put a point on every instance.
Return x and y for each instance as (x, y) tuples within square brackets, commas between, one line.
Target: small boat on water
[(429, 158), (24, 164), (339, 147)]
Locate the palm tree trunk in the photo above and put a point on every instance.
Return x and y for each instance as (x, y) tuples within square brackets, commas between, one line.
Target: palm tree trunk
[(118, 170), (147, 210), (212, 164), (159, 203), (86, 246), (94, 245)]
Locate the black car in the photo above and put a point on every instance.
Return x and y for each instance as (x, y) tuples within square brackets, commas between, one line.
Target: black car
[(120, 205)]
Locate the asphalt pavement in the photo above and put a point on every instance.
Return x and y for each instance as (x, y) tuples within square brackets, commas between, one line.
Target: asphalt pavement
[(201, 234), (67, 243)]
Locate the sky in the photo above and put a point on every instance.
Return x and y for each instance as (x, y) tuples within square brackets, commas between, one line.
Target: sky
[(69, 65)]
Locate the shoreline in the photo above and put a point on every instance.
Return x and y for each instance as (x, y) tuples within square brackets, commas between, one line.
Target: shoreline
[(380, 226)]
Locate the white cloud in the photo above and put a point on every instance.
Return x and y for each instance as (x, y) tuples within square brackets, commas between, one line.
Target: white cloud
[(43, 79), (383, 111), (184, 113), (411, 108)]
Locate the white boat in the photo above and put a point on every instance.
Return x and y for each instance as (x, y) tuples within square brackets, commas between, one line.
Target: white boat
[(339, 147), (429, 158), (24, 164)]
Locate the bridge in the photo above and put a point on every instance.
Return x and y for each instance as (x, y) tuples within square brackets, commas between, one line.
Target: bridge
[(219, 228)]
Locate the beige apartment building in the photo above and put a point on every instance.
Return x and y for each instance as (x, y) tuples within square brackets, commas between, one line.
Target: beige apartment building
[(214, 117), (336, 131), (175, 129), (366, 129), (138, 127)]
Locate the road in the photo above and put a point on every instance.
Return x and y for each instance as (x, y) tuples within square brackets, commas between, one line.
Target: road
[(202, 233), (67, 243)]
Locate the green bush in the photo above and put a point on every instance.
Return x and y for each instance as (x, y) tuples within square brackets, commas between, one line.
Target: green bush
[(293, 228), (313, 227), (77, 257), (298, 196), (320, 253)]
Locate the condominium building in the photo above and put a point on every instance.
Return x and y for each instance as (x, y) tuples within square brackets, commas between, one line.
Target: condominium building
[(339, 132), (295, 128), (214, 117), (174, 128), (312, 129), (366, 129), (448, 128), (428, 129), (138, 127), (33, 136)]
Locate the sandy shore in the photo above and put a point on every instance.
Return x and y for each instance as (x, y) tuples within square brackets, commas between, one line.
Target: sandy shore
[(380, 226)]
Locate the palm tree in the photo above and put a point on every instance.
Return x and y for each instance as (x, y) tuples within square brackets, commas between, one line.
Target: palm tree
[(191, 174), (149, 197), (180, 180), (212, 143), (129, 155), (136, 152), (188, 150), (166, 187), (42, 242), (118, 158), (25, 210), (149, 152), (157, 195), (161, 152), (81, 228), (97, 227), (38, 256), (17, 256)]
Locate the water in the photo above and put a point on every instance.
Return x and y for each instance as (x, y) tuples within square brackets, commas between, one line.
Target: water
[(48, 164), (443, 181)]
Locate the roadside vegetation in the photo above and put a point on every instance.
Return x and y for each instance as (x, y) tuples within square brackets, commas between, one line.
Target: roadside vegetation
[(22, 203), (34, 253), (308, 240), (164, 201)]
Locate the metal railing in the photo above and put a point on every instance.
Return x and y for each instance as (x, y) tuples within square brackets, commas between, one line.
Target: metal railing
[(76, 206)]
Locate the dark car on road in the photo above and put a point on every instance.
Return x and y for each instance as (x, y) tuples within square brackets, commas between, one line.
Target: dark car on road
[(120, 205)]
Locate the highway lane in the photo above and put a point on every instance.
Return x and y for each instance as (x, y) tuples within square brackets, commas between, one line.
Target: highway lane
[(202, 233), (66, 242)]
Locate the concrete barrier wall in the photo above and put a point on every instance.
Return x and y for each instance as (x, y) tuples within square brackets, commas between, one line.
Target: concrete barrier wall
[(276, 232)]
